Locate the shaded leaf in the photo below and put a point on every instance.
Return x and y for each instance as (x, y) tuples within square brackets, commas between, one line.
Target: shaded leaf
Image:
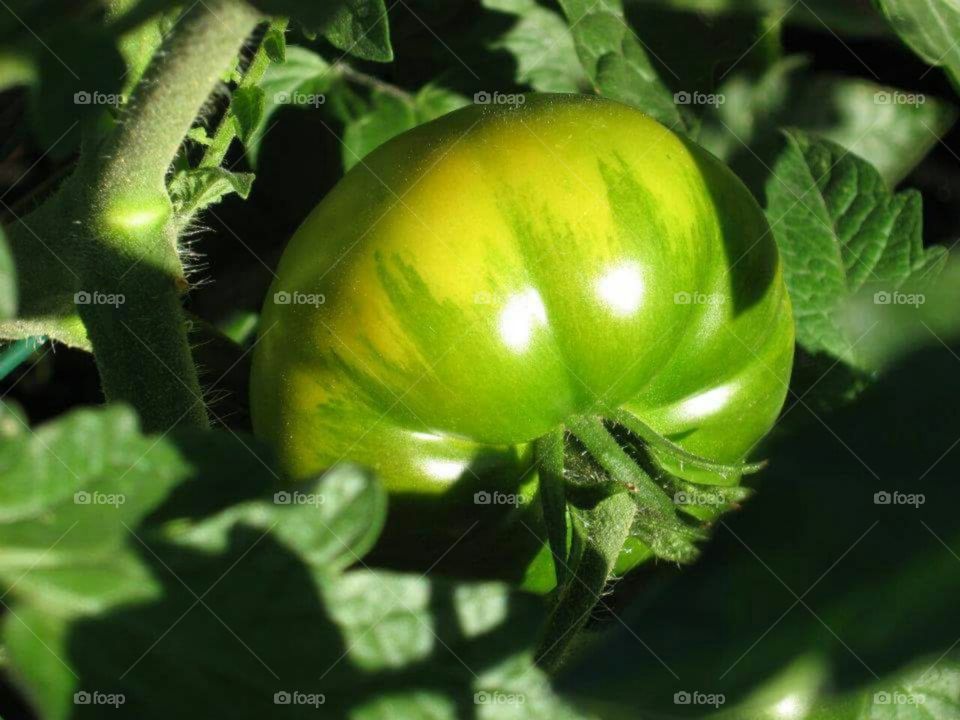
[(543, 47), (392, 114), (247, 108), (616, 61), (275, 44), (360, 28), (67, 53), (66, 328), (891, 129), (165, 573), (199, 135), (891, 330), (839, 229), (46, 281), (332, 522), (930, 28)]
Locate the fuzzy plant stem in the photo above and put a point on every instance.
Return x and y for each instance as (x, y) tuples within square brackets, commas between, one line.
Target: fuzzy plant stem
[(201, 48), (131, 277), (608, 525)]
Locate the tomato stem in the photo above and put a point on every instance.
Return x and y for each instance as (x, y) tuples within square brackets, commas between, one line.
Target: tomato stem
[(607, 525), (111, 231), (614, 460), (226, 131)]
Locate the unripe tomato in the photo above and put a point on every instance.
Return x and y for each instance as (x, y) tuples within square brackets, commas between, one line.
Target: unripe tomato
[(477, 281)]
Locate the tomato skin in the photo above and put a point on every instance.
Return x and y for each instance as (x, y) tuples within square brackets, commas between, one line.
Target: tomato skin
[(478, 280)]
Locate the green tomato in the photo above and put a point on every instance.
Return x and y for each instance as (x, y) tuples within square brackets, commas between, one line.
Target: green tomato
[(477, 281)]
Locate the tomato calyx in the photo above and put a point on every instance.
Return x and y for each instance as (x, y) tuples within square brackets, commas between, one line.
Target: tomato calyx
[(658, 442), (607, 479)]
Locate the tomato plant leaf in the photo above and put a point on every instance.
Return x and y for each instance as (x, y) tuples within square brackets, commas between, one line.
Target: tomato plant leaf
[(302, 70), (361, 28), (193, 190), (275, 44), (392, 113), (433, 101), (248, 107), (333, 521), (616, 61), (542, 44), (930, 28), (744, 130), (13, 422), (199, 135), (46, 281), (156, 549), (891, 129), (362, 645), (59, 473), (839, 229), (66, 328)]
